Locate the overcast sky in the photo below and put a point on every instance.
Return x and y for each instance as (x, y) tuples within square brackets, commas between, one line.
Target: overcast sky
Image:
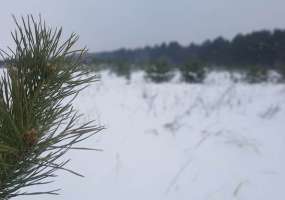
[(111, 24)]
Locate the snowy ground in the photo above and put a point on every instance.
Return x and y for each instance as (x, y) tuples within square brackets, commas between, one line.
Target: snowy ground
[(174, 141)]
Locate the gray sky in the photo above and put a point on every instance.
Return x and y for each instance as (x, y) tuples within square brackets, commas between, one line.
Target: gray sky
[(111, 24)]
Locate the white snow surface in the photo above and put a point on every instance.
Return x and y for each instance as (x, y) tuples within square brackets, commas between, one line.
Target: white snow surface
[(218, 140)]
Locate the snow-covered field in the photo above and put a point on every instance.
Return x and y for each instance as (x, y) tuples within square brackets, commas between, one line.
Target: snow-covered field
[(214, 141)]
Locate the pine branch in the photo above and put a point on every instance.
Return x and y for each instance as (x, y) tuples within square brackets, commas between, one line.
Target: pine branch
[(38, 123)]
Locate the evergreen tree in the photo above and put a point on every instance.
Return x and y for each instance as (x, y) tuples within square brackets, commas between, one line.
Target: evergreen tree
[(256, 74), (160, 71), (193, 71), (38, 123)]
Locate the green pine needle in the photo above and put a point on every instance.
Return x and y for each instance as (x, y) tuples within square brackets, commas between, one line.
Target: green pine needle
[(38, 124)]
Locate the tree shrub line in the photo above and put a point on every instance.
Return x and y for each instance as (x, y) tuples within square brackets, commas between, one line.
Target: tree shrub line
[(254, 54), (194, 71)]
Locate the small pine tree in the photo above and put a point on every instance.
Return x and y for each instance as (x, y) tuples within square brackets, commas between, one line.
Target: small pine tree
[(256, 74), (38, 123), (193, 71), (160, 71), (122, 69)]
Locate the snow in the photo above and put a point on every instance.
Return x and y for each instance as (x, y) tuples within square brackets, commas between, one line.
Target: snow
[(218, 140)]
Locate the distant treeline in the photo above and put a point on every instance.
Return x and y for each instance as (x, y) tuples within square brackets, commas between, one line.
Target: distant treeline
[(256, 48), (256, 52)]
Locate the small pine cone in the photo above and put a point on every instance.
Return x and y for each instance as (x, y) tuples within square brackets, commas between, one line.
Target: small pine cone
[(51, 68), (31, 137)]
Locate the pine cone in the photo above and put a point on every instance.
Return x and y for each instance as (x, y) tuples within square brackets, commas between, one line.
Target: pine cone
[(30, 137)]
